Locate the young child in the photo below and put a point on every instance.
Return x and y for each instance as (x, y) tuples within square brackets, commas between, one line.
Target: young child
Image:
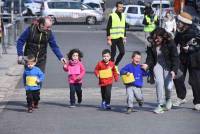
[(32, 78), (105, 71), (76, 71), (134, 88)]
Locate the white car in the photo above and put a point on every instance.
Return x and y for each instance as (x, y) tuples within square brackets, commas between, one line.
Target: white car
[(96, 4), (134, 14), (32, 7), (71, 11)]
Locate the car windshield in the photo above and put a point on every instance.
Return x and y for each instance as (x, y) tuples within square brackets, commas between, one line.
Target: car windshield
[(158, 5), (93, 5)]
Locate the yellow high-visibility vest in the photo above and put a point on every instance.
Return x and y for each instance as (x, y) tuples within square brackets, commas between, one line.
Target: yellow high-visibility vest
[(118, 26), (151, 25)]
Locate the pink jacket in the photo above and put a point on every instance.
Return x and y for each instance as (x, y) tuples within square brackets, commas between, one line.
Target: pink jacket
[(75, 70)]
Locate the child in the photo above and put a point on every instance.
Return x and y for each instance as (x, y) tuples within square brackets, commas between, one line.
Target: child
[(134, 88), (32, 77), (76, 71), (105, 71)]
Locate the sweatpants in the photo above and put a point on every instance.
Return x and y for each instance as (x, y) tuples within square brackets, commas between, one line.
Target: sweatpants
[(106, 93), (164, 84), (132, 92), (117, 43), (32, 97), (75, 88)]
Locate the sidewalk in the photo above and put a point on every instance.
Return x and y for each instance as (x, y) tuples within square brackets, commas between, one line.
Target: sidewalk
[(10, 73)]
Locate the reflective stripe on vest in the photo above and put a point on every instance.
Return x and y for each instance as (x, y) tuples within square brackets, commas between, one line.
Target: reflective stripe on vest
[(151, 25), (118, 26)]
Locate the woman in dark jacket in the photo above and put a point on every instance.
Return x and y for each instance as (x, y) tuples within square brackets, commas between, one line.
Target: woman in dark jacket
[(162, 59)]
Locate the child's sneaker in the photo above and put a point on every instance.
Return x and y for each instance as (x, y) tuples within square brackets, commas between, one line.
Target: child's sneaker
[(79, 104), (72, 106), (30, 110), (103, 105), (108, 107), (179, 102), (159, 110)]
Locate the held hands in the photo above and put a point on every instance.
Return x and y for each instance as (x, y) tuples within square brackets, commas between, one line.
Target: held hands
[(21, 60), (63, 61)]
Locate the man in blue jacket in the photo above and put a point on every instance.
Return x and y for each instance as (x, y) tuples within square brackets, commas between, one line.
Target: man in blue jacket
[(36, 39)]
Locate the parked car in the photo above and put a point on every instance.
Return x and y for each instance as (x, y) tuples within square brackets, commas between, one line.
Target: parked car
[(134, 14), (33, 7), (70, 11), (94, 4)]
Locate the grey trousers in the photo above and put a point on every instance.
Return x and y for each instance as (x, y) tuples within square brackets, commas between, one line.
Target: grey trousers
[(132, 92), (164, 84)]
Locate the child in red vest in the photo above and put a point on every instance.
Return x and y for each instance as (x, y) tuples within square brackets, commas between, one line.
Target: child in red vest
[(105, 71)]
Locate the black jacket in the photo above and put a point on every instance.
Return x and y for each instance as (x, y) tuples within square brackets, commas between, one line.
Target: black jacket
[(170, 53), (181, 39)]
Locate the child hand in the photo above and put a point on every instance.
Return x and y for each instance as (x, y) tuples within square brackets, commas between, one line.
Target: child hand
[(128, 73), (37, 81)]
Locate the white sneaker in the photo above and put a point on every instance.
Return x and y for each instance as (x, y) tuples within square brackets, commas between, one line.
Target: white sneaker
[(168, 104), (179, 102), (158, 110), (197, 107)]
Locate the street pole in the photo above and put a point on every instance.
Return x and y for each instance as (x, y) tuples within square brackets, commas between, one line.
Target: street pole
[(12, 11), (160, 14)]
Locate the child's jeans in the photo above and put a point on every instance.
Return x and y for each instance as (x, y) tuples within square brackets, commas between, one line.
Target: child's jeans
[(75, 88), (132, 92), (32, 97), (106, 94)]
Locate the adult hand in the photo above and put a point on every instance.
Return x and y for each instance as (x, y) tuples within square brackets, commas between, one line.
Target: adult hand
[(63, 61), (124, 40), (186, 48), (109, 41), (20, 60), (173, 74)]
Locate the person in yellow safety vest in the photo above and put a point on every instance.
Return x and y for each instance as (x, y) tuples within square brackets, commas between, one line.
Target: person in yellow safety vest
[(151, 22), (116, 33)]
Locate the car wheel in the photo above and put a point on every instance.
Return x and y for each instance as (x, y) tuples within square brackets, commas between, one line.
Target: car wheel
[(91, 20), (53, 19)]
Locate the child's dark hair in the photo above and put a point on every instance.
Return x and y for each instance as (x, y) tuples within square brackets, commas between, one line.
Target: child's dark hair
[(119, 2), (135, 53), (106, 51), (31, 58), (71, 52)]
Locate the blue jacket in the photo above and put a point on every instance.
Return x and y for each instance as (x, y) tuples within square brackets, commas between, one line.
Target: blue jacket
[(24, 37), (137, 71), (29, 77)]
